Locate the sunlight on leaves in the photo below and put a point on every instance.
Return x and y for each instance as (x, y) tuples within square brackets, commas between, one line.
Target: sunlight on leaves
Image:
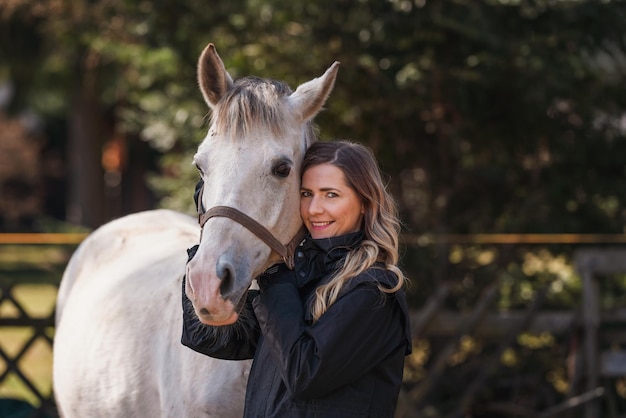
[(559, 380), (415, 363), (468, 346), (509, 358), (536, 342)]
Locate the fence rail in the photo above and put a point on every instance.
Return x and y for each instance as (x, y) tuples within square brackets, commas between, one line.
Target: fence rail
[(499, 239), (407, 239), (42, 238)]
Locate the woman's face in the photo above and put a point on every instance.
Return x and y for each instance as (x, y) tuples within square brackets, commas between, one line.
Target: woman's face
[(328, 206)]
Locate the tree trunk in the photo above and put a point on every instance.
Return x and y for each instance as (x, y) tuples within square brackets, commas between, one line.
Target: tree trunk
[(85, 200)]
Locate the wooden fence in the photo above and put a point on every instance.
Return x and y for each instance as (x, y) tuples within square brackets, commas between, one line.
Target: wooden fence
[(431, 320), (38, 327), (40, 332)]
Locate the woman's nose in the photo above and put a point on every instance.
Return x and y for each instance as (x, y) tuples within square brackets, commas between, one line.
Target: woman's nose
[(315, 207)]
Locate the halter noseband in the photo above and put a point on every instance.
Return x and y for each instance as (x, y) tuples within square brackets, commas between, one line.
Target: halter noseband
[(285, 251)]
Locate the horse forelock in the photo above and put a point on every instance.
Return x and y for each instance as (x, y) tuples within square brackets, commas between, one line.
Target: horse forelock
[(250, 105)]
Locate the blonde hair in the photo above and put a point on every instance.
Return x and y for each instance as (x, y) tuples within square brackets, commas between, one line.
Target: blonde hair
[(381, 224)]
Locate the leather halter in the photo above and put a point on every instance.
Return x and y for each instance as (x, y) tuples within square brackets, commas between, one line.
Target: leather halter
[(286, 251)]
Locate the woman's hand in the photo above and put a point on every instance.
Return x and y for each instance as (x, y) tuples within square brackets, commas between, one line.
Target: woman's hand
[(278, 273)]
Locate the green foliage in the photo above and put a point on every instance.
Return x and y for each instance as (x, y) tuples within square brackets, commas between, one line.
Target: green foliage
[(488, 116)]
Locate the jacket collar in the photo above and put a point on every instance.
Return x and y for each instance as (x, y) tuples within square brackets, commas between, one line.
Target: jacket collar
[(323, 256), (335, 247)]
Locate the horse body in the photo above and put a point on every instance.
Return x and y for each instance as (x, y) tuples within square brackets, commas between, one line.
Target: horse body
[(117, 350)]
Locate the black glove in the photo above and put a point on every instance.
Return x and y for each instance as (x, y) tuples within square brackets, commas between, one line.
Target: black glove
[(278, 273)]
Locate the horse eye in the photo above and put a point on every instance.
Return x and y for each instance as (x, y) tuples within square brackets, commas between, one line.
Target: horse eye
[(281, 169), (200, 170)]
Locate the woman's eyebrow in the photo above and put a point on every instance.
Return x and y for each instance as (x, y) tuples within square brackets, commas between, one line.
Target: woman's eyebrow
[(323, 189)]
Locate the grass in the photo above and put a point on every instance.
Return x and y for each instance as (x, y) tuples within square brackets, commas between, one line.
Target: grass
[(29, 277)]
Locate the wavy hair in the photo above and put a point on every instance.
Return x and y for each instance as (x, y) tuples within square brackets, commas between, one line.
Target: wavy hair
[(381, 224)]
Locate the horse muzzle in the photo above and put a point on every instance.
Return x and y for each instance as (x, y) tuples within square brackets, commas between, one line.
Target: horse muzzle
[(215, 297)]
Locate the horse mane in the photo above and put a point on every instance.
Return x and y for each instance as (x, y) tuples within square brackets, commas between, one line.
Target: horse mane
[(254, 103)]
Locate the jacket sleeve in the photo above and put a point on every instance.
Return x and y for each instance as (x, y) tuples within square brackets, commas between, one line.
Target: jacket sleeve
[(361, 328), (230, 342)]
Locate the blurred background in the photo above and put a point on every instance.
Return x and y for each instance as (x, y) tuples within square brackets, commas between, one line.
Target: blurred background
[(500, 125)]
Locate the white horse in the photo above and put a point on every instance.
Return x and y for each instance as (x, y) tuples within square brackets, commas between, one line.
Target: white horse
[(117, 350)]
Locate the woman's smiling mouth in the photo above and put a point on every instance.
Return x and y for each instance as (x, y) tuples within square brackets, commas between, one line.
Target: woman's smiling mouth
[(320, 224)]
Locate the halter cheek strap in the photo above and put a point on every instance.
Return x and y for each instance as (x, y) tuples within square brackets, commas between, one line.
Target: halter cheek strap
[(285, 251)]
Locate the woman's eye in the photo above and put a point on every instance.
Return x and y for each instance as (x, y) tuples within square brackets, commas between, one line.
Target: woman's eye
[(282, 169), (332, 194), (305, 194)]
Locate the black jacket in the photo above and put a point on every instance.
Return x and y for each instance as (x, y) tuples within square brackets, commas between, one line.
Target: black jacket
[(348, 364)]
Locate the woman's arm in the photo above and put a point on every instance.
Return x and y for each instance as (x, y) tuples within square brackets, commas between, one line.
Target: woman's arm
[(230, 342), (361, 328)]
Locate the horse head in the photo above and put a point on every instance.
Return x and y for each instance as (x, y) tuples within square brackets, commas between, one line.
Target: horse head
[(250, 163)]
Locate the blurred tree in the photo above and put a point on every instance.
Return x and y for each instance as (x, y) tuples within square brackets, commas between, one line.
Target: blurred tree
[(489, 116), (113, 69)]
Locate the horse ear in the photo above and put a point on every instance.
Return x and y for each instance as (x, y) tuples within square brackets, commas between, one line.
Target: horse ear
[(309, 97), (213, 78)]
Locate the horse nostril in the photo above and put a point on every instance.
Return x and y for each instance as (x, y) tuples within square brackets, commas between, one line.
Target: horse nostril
[(226, 273)]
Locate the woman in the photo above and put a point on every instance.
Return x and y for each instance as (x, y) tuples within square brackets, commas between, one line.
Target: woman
[(329, 338)]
